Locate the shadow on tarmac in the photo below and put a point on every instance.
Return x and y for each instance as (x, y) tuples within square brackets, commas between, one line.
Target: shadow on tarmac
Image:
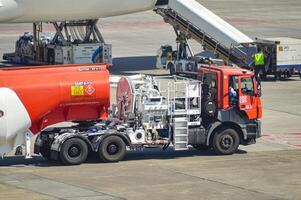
[(290, 79), (147, 154), (121, 65), (128, 64)]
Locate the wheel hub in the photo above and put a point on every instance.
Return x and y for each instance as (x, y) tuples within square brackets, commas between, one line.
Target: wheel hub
[(112, 149), (74, 151), (226, 142)]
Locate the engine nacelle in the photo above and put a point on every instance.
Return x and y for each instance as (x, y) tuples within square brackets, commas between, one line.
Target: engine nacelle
[(14, 120), (9, 10)]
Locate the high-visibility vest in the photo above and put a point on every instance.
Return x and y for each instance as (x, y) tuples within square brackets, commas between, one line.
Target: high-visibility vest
[(259, 59)]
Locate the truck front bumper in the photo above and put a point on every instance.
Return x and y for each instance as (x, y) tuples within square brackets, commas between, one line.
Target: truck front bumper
[(251, 132), (259, 132)]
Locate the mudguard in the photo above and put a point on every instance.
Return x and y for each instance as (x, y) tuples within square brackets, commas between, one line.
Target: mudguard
[(59, 141)]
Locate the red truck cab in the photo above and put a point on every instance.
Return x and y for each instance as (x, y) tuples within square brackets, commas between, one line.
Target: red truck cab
[(234, 95)]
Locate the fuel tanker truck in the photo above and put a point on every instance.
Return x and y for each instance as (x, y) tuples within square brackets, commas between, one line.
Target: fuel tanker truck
[(219, 110)]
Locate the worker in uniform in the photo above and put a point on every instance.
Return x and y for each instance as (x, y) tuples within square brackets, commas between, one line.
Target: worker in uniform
[(233, 96), (182, 47), (259, 62)]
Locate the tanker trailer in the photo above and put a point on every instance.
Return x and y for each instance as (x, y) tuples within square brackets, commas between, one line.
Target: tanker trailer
[(33, 98)]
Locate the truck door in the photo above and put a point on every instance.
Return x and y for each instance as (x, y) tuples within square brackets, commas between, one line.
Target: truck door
[(247, 97)]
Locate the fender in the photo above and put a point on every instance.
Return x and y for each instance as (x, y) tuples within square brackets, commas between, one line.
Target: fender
[(211, 129), (230, 124), (59, 141), (124, 137)]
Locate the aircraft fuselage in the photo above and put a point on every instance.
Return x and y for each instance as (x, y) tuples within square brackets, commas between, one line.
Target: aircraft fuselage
[(22, 11)]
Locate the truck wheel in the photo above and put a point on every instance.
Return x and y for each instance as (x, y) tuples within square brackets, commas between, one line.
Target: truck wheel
[(226, 142), (74, 152), (112, 149), (200, 147)]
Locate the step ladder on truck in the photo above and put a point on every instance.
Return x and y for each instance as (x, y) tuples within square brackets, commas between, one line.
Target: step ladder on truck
[(184, 110)]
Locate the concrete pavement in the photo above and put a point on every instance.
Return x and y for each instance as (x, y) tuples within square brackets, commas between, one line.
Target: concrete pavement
[(161, 175), (268, 170)]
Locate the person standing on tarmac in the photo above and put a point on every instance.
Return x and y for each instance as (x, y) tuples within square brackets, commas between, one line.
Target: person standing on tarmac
[(259, 62), (182, 47)]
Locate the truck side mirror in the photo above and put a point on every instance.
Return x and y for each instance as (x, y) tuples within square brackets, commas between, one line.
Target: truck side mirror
[(1, 113)]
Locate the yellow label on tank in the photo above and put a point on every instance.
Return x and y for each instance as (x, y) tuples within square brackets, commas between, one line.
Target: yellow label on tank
[(77, 90)]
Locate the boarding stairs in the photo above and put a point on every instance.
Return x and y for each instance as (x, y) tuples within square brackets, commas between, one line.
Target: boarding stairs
[(216, 35)]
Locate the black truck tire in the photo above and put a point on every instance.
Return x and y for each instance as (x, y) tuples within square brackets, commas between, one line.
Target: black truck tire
[(74, 151), (112, 149), (225, 142)]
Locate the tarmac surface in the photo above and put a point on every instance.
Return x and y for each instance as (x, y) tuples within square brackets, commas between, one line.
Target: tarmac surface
[(268, 170)]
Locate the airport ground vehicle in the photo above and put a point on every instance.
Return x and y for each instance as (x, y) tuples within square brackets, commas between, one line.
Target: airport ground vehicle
[(283, 56), (149, 112), (75, 42), (191, 20), (170, 59)]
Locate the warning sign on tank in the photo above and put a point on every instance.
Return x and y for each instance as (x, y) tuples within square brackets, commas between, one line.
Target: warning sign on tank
[(90, 89), (82, 89), (77, 90)]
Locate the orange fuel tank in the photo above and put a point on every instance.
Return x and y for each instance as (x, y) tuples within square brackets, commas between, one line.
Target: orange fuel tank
[(56, 94)]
